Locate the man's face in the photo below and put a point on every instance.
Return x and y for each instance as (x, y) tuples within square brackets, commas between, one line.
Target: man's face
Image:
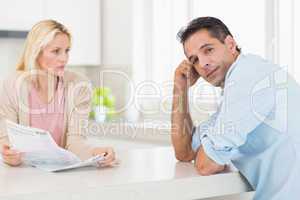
[(210, 57)]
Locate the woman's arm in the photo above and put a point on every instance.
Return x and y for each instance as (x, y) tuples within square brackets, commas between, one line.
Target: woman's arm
[(8, 107), (78, 101), (80, 106), (8, 110)]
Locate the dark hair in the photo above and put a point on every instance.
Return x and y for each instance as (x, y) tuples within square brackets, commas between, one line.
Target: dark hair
[(214, 26)]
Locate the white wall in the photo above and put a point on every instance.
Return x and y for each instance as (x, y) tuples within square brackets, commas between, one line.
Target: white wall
[(10, 50), (116, 32)]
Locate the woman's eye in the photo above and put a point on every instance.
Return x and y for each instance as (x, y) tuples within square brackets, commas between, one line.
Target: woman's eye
[(56, 51)]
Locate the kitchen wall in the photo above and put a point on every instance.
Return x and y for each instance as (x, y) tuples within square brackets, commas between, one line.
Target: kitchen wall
[(116, 32), (116, 51), (10, 51), (116, 40)]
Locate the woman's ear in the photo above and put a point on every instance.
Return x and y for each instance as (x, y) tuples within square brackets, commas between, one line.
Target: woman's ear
[(230, 43)]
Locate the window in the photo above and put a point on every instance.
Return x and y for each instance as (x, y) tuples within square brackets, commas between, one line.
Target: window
[(267, 28)]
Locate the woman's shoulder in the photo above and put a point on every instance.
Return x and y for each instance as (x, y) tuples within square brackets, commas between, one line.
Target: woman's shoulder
[(11, 85), (13, 78), (71, 76)]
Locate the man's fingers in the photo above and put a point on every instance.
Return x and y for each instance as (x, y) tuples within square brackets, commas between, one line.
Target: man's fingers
[(193, 70), (186, 62), (186, 70)]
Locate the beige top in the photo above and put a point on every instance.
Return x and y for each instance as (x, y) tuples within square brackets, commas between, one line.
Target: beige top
[(14, 106)]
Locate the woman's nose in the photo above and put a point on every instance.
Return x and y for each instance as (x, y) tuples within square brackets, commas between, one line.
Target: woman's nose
[(63, 58)]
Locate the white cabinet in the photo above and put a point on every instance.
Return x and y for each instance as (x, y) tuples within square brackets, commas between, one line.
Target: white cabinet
[(81, 17), (20, 14), (83, 20)]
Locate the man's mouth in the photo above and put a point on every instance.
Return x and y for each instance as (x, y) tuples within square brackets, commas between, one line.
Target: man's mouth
[(211, 72)]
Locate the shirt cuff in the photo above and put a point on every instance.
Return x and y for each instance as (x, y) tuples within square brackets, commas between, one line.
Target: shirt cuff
[(220, 157), (196, 140)]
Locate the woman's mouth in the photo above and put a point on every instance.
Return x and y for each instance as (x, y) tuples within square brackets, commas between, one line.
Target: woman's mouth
[(60, 67)]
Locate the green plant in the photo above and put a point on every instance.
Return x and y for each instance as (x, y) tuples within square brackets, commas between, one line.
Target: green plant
[(102, 96)]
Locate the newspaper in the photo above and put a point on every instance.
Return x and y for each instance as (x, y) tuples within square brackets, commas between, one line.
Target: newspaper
[(40, 150)]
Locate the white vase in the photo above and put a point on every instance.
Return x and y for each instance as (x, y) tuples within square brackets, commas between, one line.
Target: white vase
[(100, 113)]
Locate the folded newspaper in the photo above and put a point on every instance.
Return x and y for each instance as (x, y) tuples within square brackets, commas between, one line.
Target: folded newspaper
[(40, 150)]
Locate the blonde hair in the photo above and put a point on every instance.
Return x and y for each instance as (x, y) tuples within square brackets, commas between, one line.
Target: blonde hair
[(39, 36)]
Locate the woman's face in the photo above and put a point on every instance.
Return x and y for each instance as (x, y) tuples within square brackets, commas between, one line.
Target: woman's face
[(54, 57)]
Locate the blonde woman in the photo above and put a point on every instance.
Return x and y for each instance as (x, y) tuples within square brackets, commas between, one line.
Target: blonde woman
[(43, 94)]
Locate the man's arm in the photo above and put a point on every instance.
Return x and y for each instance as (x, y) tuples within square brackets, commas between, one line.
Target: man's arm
[(182, 138), (182, 125), (206, 166)]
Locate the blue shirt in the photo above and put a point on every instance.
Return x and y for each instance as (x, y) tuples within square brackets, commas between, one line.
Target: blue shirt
[(257, 128)]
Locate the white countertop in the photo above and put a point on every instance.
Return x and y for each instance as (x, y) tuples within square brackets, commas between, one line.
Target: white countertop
[(147, 173)]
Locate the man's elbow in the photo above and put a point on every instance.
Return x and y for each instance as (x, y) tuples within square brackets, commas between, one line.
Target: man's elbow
[(184, 157), (206, 170)]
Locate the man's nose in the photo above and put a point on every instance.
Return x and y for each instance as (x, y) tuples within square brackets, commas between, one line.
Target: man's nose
[(203, 62), (206, 66)]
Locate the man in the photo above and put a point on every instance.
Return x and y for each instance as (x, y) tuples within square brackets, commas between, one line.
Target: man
[(255, 126)]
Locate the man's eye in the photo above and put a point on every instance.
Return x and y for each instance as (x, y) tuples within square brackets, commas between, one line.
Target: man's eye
[(209, 50), (194, 60)]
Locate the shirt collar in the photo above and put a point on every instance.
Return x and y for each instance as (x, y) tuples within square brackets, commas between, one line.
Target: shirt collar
[(233, 65), (231, 68)]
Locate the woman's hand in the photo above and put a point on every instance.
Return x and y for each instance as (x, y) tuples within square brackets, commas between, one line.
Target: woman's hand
[(108, 153), (11, 157)]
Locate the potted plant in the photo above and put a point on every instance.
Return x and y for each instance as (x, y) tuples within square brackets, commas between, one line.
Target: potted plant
[(103, 104)]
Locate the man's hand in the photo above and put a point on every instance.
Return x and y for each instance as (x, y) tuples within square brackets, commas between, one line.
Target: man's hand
[(205, 166), (185, 75)]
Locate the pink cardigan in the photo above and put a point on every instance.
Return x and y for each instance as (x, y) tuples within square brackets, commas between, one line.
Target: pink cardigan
[(14, 105)]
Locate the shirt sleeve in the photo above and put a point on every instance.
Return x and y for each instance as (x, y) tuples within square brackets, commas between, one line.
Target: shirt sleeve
[(203, 128), (247, 103)]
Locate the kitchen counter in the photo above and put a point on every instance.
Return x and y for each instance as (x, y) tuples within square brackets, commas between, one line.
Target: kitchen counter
[(144, 173)]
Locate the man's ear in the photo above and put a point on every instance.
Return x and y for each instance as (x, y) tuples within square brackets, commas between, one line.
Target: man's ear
[(230, 43)]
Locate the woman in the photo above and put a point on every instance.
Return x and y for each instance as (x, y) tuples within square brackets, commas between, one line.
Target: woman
[(43, 94)]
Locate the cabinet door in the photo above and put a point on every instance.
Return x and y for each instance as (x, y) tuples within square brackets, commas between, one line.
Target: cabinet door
[(82, 18), (20, 14)]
